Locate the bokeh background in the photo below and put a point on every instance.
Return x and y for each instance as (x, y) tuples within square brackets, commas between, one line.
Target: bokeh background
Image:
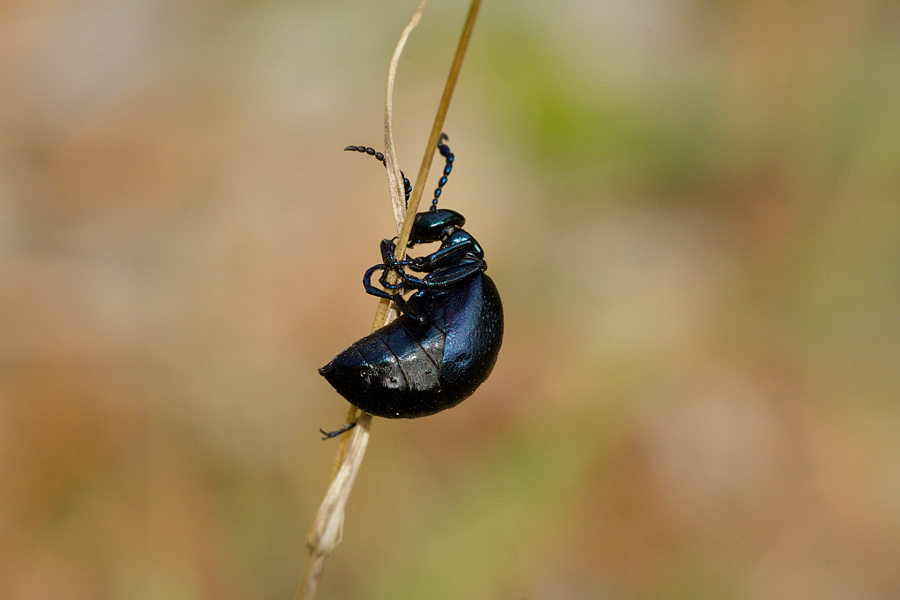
[(692, 210)]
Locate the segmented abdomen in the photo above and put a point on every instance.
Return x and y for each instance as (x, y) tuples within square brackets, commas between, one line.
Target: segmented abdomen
[(410, 369), (389, 372)]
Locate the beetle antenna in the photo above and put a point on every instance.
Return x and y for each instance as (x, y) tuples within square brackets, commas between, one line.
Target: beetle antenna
[(444, 149), (407, 186)]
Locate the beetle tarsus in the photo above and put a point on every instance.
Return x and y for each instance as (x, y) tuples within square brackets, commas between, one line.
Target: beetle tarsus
[(347, 427)]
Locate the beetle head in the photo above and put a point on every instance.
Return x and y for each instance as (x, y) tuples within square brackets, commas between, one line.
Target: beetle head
[(431, 225)]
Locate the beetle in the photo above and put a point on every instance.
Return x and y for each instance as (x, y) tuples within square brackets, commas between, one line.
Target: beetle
[(445, 342)]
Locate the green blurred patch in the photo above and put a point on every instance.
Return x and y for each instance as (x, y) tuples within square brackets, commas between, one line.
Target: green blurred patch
[(582, 125)]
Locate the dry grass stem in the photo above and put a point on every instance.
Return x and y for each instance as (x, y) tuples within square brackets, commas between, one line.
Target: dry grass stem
[(390, 155), (386, 310), (438, 126), (327, 527)]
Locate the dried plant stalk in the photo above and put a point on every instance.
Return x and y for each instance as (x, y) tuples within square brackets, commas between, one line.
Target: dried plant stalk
[(327, 527), (438, 126)]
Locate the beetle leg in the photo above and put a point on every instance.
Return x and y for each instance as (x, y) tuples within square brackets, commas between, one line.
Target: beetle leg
[(458, 247), (401, 282), (402, 304), (413, 283), (346, 427), (388, 247), (406, 309), (450, 276), (371, 289)]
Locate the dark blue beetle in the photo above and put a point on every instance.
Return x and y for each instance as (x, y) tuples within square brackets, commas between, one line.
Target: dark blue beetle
[(445, 342)]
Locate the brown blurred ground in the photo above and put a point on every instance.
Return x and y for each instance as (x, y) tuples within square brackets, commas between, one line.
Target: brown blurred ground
[(692, 211)]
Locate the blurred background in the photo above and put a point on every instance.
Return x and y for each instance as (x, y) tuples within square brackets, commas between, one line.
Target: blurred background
[(692, 211)]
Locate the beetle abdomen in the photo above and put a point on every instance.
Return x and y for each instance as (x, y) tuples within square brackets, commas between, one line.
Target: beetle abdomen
[(409, 369), (388, 372), (474, 325)]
